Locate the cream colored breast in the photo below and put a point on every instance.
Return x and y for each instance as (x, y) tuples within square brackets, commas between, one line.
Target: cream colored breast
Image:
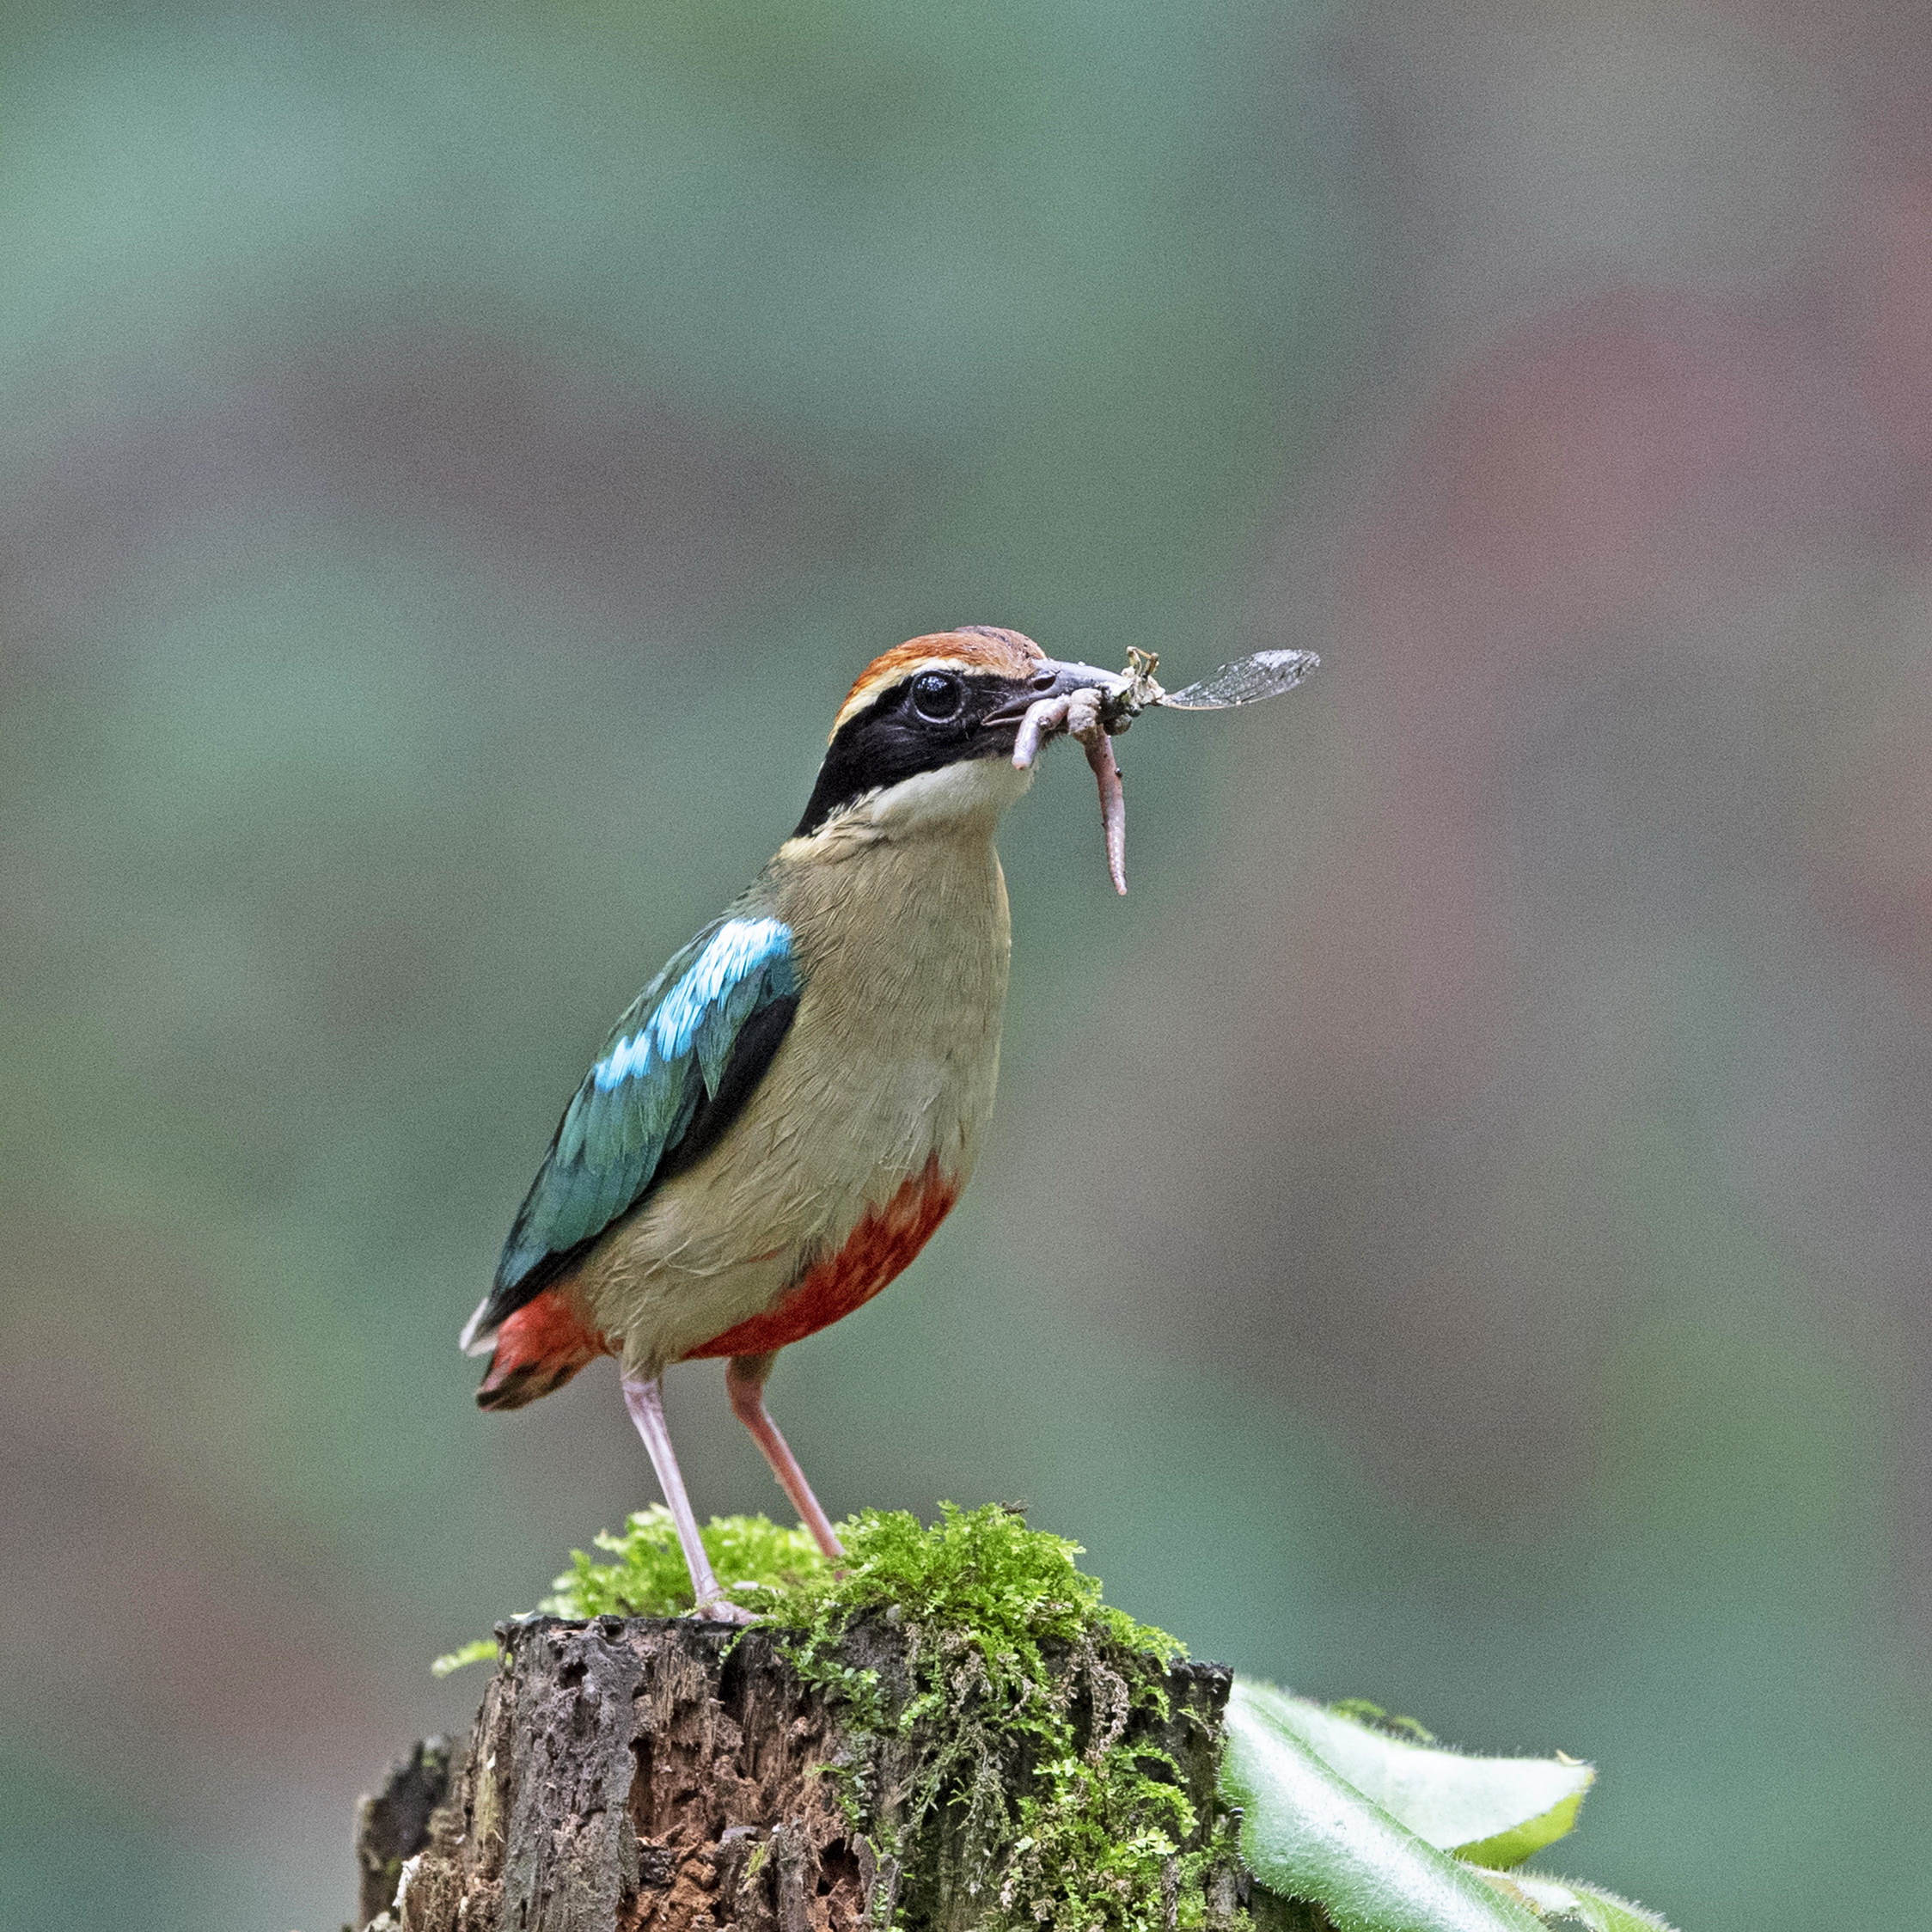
[(893, 1058)]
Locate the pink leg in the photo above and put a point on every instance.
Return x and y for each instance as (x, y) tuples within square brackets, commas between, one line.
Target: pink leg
[(745, 1377), (645, 1401)]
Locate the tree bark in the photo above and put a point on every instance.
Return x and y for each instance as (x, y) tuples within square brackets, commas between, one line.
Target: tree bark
[(655, 1775)]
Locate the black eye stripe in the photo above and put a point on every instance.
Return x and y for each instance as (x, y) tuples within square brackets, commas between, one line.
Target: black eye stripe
[(892, 739)]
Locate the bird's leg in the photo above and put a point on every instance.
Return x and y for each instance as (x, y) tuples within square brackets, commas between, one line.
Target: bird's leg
[(644, 1398), (745, 1377)]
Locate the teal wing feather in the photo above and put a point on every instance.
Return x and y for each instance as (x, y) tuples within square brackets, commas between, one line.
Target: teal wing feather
[(675, 1071)]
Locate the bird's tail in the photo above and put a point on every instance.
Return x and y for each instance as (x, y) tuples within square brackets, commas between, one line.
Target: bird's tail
[(480, 1331)]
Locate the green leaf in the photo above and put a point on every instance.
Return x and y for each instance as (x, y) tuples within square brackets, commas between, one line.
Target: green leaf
[(483, 1650), (1563, 1902), (1491, 1810), (1308, 1833)]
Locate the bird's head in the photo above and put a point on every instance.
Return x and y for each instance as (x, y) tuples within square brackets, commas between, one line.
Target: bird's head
[(927, 732)]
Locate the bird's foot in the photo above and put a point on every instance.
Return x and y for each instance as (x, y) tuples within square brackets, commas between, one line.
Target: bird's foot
[(721, 1610)]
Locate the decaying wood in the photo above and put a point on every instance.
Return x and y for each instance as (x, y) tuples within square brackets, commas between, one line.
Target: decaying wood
[(654, 1774), (394, 1823)]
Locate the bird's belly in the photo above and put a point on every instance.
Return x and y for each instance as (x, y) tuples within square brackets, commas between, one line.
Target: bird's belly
[(879, 1248), (841, 1166)]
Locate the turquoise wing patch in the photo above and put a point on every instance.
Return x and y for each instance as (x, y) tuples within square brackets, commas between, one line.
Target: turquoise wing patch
[(675, 1057)]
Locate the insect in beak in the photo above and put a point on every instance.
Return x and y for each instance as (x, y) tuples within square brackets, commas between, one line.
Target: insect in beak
[(1095, 707)]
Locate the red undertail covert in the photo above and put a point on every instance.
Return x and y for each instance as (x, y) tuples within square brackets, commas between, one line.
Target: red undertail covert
[(539, 1349)]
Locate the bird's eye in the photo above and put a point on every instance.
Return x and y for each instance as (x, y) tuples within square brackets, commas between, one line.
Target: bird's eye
[(937, 696)]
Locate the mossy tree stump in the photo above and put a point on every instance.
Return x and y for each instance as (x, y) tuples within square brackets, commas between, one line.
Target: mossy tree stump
[(664, 1775)]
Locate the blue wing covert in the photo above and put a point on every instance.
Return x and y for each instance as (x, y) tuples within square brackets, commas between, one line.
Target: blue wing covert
[(684, 1059)]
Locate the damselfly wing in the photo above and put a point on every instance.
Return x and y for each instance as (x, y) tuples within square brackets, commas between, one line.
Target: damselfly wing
[(1247, 680)]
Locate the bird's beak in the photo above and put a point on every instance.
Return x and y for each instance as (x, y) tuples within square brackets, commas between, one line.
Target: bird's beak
[(1070, 678), (1052, 679)]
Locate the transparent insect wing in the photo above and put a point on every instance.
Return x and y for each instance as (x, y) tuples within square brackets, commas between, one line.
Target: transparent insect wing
[(1266, 674)]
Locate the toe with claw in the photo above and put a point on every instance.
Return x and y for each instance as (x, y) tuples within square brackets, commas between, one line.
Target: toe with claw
[(721, 1610)]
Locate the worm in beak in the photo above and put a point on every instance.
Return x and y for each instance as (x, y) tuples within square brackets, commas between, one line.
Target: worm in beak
[(1080, 713)]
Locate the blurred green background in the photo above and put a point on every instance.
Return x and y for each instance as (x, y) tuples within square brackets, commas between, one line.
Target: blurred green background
[(1457, 1234)]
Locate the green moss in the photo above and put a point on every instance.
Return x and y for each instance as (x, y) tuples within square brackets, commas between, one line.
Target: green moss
[(480, 1650), (753, 1558)]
